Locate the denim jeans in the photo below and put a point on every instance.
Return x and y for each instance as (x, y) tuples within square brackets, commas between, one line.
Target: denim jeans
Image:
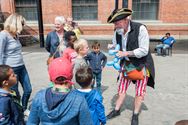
[(23, 78), (162, 48), (97, 78)]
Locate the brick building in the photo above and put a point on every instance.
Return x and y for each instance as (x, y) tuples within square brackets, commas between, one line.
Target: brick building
[(160, 16)]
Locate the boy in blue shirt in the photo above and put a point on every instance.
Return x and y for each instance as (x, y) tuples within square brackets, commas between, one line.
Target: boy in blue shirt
[(167, 41), (84, 77), (97, 61), (11, 111)]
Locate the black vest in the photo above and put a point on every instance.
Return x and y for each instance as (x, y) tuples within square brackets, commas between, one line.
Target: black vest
[(132, 43)]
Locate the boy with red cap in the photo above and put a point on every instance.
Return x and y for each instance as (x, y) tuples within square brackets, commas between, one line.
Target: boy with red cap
[(59, 105)]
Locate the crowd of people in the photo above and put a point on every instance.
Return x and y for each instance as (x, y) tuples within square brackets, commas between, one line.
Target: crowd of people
[(75, 73), (71, 98)]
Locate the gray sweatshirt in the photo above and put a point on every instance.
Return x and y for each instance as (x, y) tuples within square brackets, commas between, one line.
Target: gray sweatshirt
[(10, 50), (78, 63)]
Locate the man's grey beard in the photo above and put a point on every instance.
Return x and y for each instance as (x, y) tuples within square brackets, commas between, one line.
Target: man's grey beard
[(120, 31)]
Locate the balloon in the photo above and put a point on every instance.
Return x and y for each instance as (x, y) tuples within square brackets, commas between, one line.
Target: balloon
[(117, 47), (110, 63), (115, 62), (116, 59), (117, 66), (112, 52)]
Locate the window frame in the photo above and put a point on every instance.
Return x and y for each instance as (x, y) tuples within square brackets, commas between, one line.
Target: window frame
[(85, 4), (31, 5), (141, 13)]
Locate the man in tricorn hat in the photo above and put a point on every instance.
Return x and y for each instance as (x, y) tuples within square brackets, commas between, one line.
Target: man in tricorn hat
[(133, 39)]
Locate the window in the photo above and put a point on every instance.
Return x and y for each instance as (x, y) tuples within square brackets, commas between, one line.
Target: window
[(145, 9), (27, 8), (84, 9)]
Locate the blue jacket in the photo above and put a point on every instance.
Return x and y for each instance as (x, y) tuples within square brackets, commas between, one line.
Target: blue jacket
[(94, 100), (96, 60), (168, 40), (52, 42), (72, 110), (11, 112)]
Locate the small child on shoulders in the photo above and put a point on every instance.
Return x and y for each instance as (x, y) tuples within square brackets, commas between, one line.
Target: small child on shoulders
[(81, 47), (11, 111), (84, 78)]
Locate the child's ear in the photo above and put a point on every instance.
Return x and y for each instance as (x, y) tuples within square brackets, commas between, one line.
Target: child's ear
[(80, 49), (5, 83)]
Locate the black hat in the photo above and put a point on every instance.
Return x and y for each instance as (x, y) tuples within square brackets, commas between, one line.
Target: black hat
[(119, 14)]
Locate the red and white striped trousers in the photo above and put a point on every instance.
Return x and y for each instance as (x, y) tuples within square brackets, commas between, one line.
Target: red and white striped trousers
[(140, 85)]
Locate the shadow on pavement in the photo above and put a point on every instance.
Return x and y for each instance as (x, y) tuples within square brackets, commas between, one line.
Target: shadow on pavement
[(104, 88), (128, 103)]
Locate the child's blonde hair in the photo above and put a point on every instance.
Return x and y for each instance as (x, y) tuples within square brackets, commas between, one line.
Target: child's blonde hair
[(14, 24), (79, 44)]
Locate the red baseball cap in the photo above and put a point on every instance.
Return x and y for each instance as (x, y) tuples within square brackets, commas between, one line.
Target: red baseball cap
[(60, 67)]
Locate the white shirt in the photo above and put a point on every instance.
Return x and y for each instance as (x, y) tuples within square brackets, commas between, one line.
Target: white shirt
[(143, 42)]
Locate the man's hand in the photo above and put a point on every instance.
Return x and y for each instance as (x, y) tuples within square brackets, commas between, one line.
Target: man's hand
[(110, 46), (122, 54)]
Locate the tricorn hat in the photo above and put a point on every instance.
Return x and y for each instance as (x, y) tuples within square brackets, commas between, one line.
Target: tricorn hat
[(119, 14)]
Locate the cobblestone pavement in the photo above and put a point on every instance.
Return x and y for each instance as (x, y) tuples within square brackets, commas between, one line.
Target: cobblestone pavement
[(164, 105)]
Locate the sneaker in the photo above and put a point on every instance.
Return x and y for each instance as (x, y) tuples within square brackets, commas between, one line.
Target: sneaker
[(134, 119), (113, 114), (26, 113)]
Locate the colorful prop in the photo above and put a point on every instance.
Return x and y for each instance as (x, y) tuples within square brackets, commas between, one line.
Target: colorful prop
[(115, 62)]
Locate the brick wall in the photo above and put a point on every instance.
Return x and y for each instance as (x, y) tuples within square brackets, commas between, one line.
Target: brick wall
[(173, 11), (170, 11), (173, 17)]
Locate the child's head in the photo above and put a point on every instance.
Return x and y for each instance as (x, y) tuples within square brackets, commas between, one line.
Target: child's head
[(60, 71), (96, 47), (84, 76), (182, 122), (7, 76), (81, 47), (70, 38), (69, 20)]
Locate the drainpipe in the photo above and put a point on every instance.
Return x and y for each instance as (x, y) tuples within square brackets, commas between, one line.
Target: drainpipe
[(116, 4), (40, 23), (125, 4)]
